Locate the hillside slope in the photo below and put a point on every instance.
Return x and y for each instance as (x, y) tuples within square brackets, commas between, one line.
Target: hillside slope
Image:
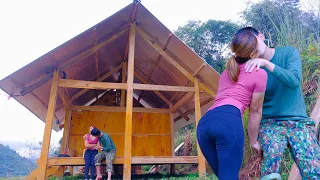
[(12, 164)]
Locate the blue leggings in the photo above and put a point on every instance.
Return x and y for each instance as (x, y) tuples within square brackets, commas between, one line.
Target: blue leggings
[(221, 139), (89, 163)]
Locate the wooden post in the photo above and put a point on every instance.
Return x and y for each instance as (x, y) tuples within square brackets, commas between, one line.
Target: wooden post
[(202, 162), (129, 105), (65, 138), (172, 169), (48, 126), (124, 75)]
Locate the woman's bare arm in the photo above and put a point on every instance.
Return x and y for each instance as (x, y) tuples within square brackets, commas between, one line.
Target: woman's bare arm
[(255, 114), (86, 143)]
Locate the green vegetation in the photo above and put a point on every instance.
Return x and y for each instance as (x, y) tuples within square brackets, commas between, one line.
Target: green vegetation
[(12, 164), (209, 40), (284, 23), (193, 176)]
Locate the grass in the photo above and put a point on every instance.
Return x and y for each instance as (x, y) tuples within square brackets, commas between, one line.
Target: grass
[(193, 176), (12, 178)]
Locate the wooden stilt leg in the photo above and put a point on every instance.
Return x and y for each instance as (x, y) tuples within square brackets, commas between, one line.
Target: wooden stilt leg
[(172, 168), (202, 162), (48, 127), (129, 105)]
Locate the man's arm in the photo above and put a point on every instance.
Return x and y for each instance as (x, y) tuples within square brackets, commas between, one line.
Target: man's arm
[(291, 75), (98, 147)]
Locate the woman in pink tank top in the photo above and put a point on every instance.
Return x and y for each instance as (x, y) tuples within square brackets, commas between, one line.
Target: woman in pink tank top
[(220, 131), (92, 145)]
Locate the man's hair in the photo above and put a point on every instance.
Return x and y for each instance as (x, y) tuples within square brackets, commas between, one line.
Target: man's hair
[(95, 132), (250, 29)]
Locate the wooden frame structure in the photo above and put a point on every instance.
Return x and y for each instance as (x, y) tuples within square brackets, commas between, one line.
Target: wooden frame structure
[(178, 99), (127, 160), (134, 27)]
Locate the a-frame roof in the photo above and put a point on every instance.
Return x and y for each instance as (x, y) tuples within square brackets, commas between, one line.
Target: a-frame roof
[(30, 85)]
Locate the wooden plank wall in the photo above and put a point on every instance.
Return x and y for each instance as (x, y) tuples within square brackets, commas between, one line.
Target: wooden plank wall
[(151, 131)]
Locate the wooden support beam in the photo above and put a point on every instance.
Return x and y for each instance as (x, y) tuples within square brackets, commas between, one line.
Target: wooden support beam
[(188, 82), (202, 161), (156, 63), (172, 168), (97, 52), (152, 43), (56, 171), (124, 78), (129, 105), (134, 11), (126, 51), (79, 161), (185, 98), (175, 95), (48, 127), (139, 76), (133, 17), (73, 60), (118, 109), (66, 130), (68, 83), (124, 67), (183, 115), (192, 110), (199, 69), (162, 88), (102, 78), (63, 97), (172, 131), (32, 175), (63, 92), (64, 136), (154, 167), (97, 58)]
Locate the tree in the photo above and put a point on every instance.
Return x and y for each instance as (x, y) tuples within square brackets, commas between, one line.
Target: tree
[(210, 40), (32, 152), (269, 15)]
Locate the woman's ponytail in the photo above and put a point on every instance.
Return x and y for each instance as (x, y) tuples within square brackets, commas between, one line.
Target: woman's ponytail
[(233, 69)]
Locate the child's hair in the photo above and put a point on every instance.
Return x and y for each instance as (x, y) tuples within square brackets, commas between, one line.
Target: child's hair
[(95, 132), (244, 45)]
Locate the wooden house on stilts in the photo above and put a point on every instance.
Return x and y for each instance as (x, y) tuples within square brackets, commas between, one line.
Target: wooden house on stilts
[(129, 76)]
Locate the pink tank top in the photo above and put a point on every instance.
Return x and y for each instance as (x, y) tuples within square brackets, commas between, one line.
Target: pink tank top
[(90, 141), (239, 94)]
